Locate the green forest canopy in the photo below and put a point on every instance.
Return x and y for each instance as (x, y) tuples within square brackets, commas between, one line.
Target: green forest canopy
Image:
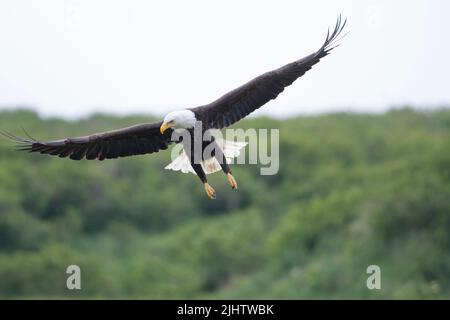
[(353, 190)]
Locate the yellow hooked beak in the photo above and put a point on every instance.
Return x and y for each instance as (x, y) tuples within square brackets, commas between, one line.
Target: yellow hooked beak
[(164, 127)]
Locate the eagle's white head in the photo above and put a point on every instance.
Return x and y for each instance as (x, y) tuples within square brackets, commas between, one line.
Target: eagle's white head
[(182, 119)]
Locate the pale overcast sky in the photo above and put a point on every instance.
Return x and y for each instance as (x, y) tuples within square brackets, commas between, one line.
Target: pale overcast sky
[(75, 57)]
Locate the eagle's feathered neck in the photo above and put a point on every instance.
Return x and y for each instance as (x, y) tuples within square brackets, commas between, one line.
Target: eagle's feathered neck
[(181, 119)]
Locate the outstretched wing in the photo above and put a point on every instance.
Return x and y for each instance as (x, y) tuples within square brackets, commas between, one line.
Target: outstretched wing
[(240, 102), (137, 139)]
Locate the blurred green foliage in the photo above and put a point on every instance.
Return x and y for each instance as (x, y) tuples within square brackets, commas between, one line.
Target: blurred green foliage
[(353, 190)]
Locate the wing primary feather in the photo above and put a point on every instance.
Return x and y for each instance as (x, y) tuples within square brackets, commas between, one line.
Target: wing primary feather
[(245, 99), (66, 151), (28, 136), (13, 137), (92, 152), (137, 139)]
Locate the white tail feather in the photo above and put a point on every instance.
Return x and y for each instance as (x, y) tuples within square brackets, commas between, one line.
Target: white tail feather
[(231, 149)]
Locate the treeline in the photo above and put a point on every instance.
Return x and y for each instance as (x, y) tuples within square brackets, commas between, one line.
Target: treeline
[(353, 190)]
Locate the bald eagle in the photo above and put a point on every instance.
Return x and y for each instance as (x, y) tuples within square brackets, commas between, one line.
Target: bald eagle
[(152, 137)]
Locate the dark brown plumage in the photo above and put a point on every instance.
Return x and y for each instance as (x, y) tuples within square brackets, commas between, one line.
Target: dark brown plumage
[(147, 138), (240, 102), (134, 140)]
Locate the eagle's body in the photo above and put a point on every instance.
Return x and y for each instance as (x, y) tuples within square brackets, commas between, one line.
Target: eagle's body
[(152, 137)]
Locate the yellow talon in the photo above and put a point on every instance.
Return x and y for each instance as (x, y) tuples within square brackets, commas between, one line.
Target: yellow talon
[(232, 181), (209, 191)]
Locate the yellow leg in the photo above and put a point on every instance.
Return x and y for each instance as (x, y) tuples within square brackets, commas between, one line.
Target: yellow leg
[(232, 181), (211, 193)]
